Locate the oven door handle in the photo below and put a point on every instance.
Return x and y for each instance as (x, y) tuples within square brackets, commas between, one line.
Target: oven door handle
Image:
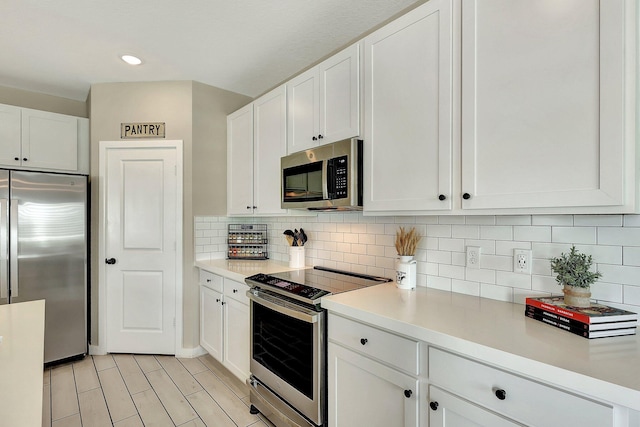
[(300, 314)]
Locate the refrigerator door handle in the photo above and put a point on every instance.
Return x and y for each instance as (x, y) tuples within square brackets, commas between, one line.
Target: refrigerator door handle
[(13, 241), (4, 247)]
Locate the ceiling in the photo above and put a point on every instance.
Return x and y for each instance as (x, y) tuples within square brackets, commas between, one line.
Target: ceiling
[(246, 46)]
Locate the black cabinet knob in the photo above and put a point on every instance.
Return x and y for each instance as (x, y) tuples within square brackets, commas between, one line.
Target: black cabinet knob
[(408, 393), (223, 303), (500, 393), (255, 207), (208, 280), (466, 196), (110, 261), (314, 139), (24, 159), (16, 158), (235, 291), (320, 136), (433, 405), (363, 341), (217, 299), (442, 197)]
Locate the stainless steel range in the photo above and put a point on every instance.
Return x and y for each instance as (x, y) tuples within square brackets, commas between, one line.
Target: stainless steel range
[(288, 382)]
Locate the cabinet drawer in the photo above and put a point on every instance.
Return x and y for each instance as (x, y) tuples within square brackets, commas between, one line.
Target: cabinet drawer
[(385, 346), (236, 290), (210, 280), (524, 400)]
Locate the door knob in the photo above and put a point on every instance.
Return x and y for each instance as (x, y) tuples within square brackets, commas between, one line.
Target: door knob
[(110, 261)]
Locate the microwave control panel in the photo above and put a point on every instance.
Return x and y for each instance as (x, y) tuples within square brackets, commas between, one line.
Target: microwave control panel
[(338, 185)]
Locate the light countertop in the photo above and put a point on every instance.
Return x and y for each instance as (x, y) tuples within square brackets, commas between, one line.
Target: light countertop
[(239, 270), (499, 333), (21, 363)]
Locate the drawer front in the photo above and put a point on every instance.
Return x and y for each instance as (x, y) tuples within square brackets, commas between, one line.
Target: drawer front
[(210, 280), (236, 290), (524, 400), (399, 352)]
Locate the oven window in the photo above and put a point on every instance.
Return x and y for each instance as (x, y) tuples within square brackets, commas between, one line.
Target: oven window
[(284, 345), (303, 182)]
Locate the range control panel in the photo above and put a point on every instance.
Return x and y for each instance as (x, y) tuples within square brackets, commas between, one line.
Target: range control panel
[(284, 286)]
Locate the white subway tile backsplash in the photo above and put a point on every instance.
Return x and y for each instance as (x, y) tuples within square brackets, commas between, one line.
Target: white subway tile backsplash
[(536, 233), (365, 244), (574, 235), (621, 236), (598, 220), (560, 220)]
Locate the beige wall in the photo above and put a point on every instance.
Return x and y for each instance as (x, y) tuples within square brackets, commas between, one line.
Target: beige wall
[(192, 112), (40, 101)]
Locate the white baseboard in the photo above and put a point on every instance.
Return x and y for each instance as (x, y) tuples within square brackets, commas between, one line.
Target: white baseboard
[(190, 353), (96, 350)]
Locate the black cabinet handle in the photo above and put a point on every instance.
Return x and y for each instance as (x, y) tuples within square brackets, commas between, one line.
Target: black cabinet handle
[(110, 261), (24, 159), (217, 299), (235, 291), (500, 393), (466, 196), (433, 405), (363, 341), (255, 207), (408, 393), (442, 197), (223, 303), (208, 280), (248, 207), (16, 158), (320, 136), (314, 139)]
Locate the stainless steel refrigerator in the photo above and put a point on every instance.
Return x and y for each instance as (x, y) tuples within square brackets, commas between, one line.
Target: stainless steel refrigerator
[(43, 253)]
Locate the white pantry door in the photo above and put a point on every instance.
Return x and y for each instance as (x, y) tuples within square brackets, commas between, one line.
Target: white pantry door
[(141, 196)]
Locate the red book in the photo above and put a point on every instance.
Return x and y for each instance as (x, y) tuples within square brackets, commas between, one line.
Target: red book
[(596, 313)]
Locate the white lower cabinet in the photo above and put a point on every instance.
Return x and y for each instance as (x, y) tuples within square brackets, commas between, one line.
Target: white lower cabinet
[(224, 322), (364, 388), (448, 410), (519, 399)]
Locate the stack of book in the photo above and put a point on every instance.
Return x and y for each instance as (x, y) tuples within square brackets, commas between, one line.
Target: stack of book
[(597, 321)]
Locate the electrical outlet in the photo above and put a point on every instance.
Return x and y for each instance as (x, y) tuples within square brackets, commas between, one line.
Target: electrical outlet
[(473, 257), (522, 261)]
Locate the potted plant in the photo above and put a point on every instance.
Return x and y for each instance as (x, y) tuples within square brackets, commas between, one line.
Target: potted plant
[(573, 271)]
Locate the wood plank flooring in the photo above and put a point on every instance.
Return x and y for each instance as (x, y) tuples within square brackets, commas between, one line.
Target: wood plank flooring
[(125, 390)]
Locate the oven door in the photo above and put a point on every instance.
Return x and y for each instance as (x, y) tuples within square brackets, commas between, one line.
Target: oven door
[(287, 352)]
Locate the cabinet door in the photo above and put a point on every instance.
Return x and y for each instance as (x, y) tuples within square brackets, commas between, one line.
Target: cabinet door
[(240, 162), (10, 131), (236, 337), (340, 96), (303, 94), (448, 410), (211, 322), (270, 144), (543, 103), (408, 103), (49, 141), (363, 392)]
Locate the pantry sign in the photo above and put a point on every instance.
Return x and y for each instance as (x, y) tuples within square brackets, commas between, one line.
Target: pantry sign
[(141, 130)]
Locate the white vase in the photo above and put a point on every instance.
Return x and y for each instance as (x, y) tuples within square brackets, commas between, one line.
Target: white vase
[(406, 272)]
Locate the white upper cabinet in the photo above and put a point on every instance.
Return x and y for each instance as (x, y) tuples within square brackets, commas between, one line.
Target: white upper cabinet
[(269, 145), (256, 140), (40, 140), (543, 103), (407, 112), (324, 102), (10, 134), (240, 161)]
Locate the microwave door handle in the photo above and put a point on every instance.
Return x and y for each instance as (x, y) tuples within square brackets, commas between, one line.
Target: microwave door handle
[(4, 249), (325, 179), (330, 181)]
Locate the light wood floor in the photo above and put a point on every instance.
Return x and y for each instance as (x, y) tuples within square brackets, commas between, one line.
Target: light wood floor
[(132, 390)]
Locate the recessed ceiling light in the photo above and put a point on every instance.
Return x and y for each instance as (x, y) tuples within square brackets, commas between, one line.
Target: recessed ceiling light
[(131, 60)]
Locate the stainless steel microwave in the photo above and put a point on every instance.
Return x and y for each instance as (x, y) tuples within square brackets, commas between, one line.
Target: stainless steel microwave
[(328, 177)]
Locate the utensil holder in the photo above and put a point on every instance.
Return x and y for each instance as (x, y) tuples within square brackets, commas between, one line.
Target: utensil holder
[(406, 272), (296, 256)]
